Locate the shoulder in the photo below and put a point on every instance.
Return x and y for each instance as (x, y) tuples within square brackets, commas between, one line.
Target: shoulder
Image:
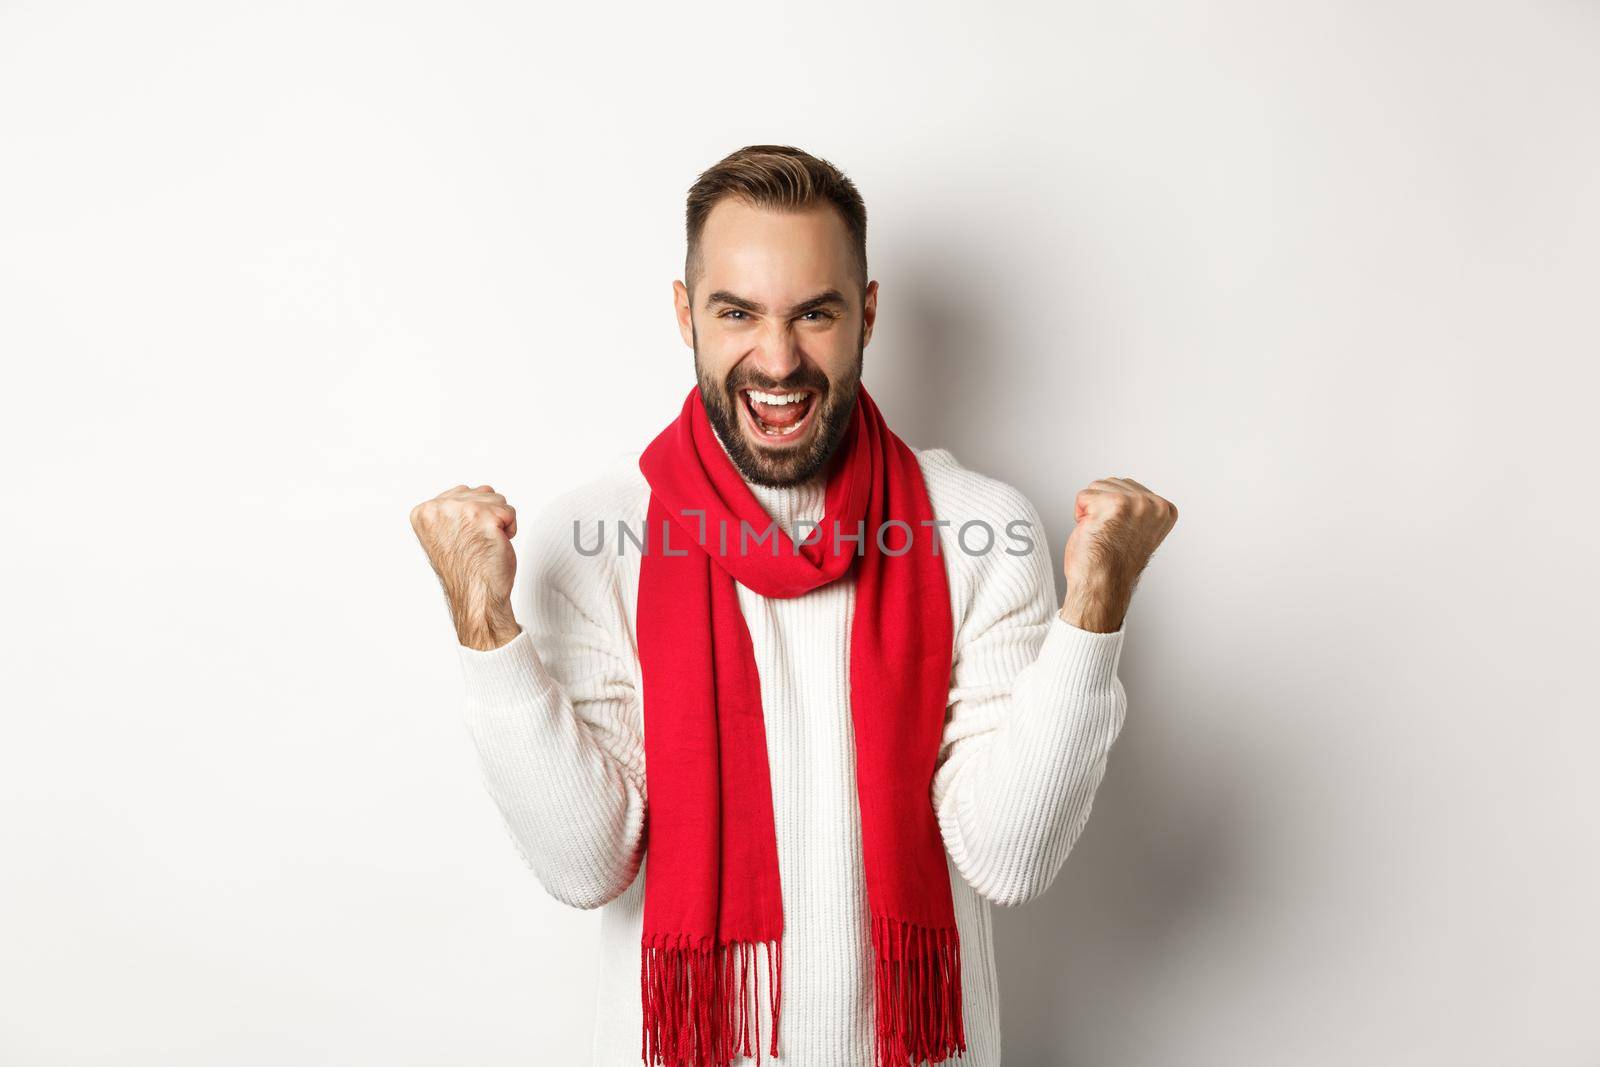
[(996, 550), (618, 491), (565, 531), (960, 494)]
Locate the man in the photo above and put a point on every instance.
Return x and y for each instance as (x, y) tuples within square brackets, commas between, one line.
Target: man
[(782, 708)]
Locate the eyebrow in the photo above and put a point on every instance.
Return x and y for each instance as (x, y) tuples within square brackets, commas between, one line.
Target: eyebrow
[(826, 298)]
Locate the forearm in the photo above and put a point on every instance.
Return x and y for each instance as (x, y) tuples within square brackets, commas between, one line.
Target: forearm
[(1015, 805), (574, 811)]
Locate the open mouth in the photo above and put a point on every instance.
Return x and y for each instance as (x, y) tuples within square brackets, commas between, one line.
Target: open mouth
[(779, 417)]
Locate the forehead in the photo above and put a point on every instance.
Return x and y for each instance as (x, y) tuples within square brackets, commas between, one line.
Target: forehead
[(744, 247)]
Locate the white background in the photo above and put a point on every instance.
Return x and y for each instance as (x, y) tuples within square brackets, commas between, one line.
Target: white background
[(1322, 274)]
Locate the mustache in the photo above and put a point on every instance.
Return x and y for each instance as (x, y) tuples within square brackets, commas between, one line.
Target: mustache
[(816, 382)]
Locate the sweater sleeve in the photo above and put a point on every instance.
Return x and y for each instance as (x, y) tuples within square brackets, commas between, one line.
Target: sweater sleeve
[(1035, 706), (554, 717)]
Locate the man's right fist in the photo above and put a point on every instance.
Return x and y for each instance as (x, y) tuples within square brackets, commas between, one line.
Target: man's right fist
[(467, 535)]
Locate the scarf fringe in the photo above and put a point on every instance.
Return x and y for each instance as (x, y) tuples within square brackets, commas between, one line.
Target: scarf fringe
[(917, 978), (700, 1000)]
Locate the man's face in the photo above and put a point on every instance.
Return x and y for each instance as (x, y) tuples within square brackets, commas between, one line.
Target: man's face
[(778, 323)]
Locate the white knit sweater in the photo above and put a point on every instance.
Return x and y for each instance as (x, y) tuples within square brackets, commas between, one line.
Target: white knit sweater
[(1035, 706)]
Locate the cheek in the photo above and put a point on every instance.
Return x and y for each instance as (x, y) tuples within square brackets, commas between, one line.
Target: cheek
[(717, 352), (708, 333), (836, 352)]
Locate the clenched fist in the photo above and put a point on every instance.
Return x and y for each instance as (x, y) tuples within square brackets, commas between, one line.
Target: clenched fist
[(467, 535), (1120, 523)]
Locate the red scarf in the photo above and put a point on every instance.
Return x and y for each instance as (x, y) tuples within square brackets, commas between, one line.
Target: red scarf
[(712, 895)]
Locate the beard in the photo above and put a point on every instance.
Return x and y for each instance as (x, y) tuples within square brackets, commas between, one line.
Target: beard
[(835, 402)]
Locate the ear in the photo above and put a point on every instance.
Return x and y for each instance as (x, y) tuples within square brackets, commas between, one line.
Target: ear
[(685, 312), (869, 312)]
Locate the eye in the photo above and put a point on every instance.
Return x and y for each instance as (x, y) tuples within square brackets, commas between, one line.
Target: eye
[(825, 315), (729, 312)]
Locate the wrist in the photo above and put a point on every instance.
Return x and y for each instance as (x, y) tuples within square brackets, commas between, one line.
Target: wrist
[(1096, 606), (487, 627)]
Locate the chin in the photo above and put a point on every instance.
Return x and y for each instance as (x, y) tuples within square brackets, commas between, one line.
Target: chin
[(779, 438)]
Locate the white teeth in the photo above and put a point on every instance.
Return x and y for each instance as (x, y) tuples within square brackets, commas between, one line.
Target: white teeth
[(776, 399)]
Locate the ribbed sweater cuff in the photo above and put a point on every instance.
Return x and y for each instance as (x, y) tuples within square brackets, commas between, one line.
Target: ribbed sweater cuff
[(1081, 661), (508, 677)]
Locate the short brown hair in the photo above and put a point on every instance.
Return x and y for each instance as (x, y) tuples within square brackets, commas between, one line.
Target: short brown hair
[(781, 177)]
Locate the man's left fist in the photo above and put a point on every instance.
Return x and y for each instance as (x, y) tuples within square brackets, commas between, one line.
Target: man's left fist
[(1120, 523)]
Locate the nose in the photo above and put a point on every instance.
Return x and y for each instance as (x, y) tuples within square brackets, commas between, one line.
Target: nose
[(777, 354)]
